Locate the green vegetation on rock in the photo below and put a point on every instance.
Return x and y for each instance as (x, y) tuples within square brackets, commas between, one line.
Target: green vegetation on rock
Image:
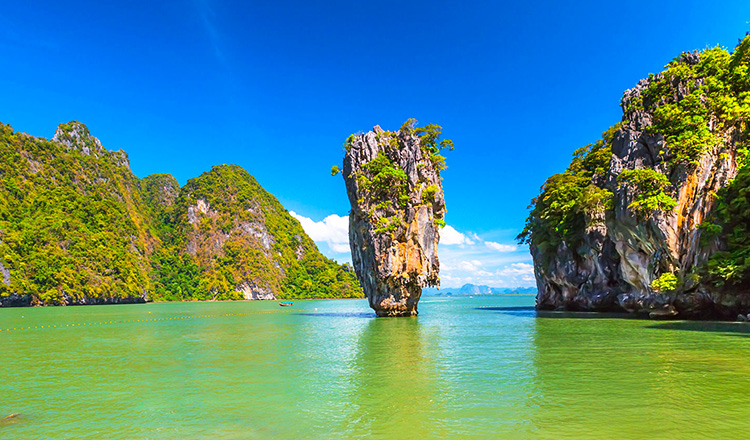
[(77, 227), (730, 267), (667, 282), (696, 102), (648, 186), (677, 162), (384, 184), (240, 235), (714, 95), (571, 201), (73, 227)]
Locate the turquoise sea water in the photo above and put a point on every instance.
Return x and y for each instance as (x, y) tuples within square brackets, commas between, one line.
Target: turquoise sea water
[(482, 367)]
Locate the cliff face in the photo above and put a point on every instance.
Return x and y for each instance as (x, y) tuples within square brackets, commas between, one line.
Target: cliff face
[(622, 228), (77, 227), (394, 187)]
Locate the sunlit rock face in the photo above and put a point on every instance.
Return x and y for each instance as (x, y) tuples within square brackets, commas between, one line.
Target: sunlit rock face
[(394, 187), (621, 253)]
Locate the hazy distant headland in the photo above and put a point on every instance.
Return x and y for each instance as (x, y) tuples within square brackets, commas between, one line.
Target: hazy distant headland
[(475, 290)]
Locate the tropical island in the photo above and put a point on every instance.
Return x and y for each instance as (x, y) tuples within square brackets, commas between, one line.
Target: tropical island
[(653, 217), (78, 227)]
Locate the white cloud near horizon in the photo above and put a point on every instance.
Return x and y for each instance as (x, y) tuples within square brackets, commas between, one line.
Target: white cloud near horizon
[(333, 230), (516, 269), (464, 256), (469, 258), (450, 236), (501, 247), (520, 271)]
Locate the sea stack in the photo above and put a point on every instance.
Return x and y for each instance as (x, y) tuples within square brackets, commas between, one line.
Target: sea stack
[(395, 190)]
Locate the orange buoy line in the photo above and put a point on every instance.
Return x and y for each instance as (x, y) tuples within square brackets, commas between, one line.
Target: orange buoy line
[(127, 321)]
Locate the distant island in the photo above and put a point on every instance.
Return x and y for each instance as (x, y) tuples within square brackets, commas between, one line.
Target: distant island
[(474, 290)]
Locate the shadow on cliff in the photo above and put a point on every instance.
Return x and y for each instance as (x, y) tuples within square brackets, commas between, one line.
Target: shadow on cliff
[(727, 328)]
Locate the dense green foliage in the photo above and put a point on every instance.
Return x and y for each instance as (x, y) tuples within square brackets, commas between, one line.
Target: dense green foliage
[(714, 96), (430, 141), (387, 181), (667, 282), (76, 226), (699, 103), (263, 247), (648, 191), (71, 224), (730, 267), (573, 200), (384, 185)]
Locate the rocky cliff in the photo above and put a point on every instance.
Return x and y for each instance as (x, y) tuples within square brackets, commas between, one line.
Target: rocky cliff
[(395, 190), (77, 227), (625, 226)]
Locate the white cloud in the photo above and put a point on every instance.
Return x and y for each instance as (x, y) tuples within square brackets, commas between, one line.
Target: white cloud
[(464, 257), (500, 247), (525, 270), (334, 230), (465, 265), (341, 248), (450, 236), (470, 266)]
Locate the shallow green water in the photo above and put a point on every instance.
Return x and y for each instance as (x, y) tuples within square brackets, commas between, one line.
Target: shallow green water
[(465, 368)]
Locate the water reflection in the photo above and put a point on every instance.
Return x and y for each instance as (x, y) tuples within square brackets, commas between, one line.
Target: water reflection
[(393, 380)]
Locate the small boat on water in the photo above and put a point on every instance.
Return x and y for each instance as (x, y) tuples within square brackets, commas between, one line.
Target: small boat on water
[(286, 304), (10, 419)]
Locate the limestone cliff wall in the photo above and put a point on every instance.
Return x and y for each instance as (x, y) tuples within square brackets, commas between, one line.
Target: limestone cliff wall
[(621, 254), (395, 190)]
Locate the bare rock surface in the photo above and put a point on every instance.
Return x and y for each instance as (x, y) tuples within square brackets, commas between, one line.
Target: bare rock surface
[(394, 187)]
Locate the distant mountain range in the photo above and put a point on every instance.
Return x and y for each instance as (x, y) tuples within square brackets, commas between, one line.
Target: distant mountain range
[(472, 289)]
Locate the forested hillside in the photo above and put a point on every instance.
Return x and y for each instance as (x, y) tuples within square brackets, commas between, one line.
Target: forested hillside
[(77, 227)]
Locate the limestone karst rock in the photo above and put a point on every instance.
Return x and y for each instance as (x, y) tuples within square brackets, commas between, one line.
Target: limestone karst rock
[(394, 187), (632, 210)]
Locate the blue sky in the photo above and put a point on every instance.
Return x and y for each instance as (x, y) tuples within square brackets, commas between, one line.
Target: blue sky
[(276, 87)]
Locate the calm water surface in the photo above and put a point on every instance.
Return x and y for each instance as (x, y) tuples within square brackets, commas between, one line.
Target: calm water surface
[(465, 368)]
